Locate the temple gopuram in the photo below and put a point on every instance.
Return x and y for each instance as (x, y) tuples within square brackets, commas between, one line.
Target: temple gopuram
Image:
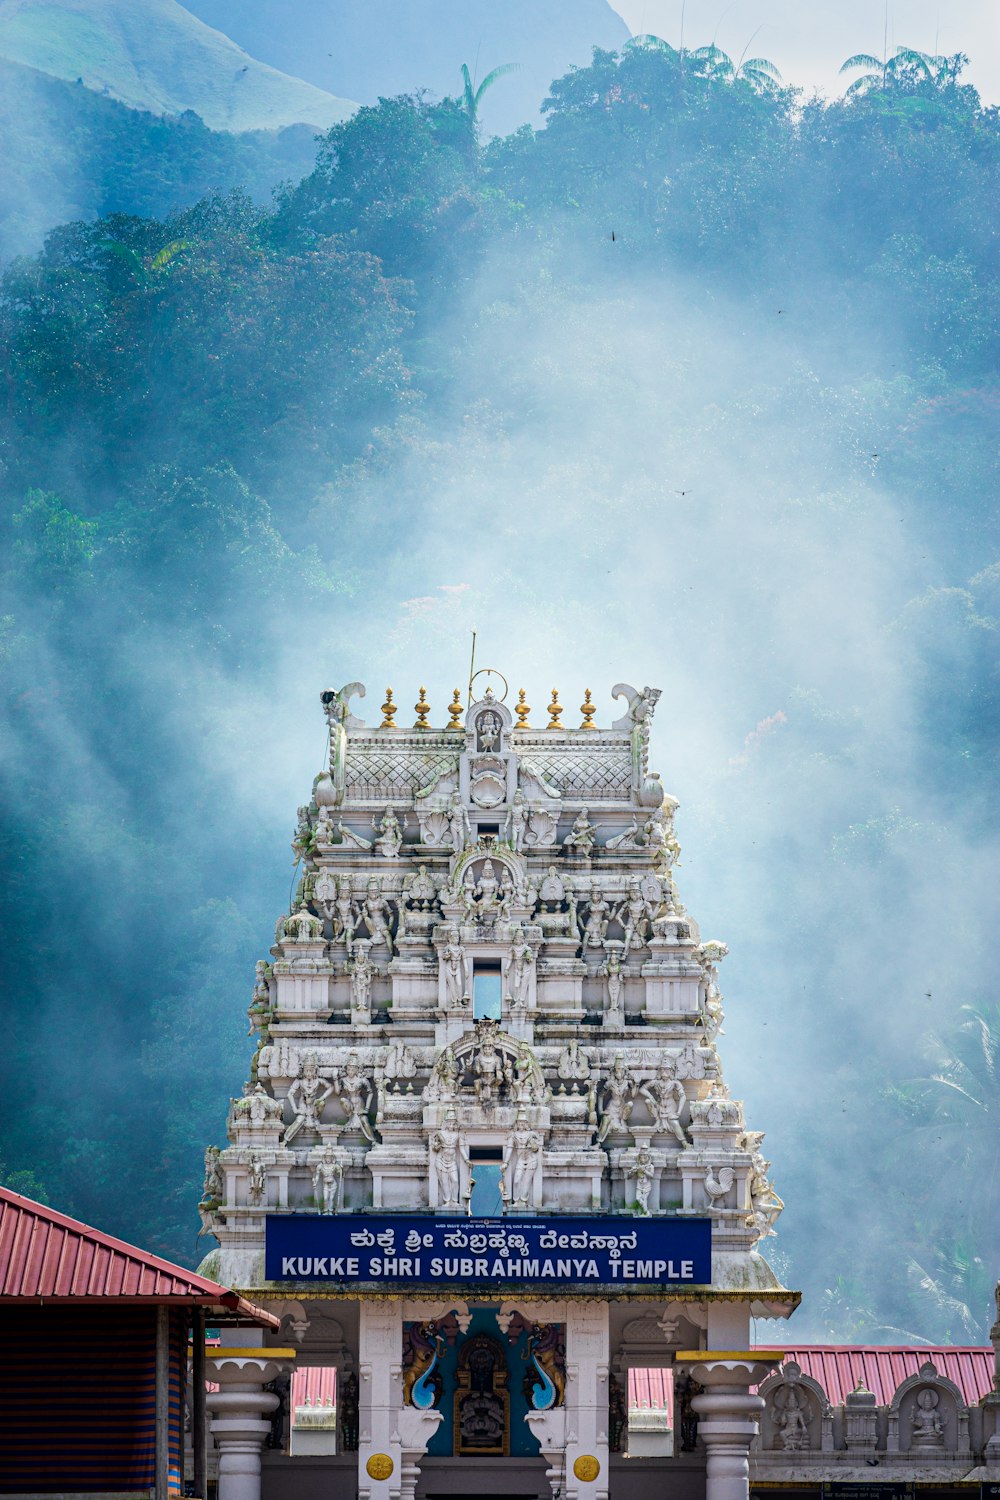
[(487, 1163)]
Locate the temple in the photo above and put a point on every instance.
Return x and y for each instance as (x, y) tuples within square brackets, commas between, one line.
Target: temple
[(487, 1162)]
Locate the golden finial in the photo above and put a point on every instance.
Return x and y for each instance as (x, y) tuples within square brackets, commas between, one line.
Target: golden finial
[(388, 711), (455, 709), (588, 710), (555, 709), (422, 709), (522, 710)]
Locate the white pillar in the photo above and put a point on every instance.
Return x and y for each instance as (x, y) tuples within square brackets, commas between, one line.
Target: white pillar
[(241, 1408), (380, 1399), (587, 1355), (727, 1414)]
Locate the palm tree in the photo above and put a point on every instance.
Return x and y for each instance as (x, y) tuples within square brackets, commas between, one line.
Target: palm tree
[(759, 71), (472, 96), (881, 72), (713, 62)]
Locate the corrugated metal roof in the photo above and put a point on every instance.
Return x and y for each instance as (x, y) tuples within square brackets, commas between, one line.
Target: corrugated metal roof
[(651, 1390), (314, 1385), (839, 1367), (883, 1368), (45, 1255)]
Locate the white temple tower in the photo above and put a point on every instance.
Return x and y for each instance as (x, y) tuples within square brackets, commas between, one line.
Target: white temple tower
[(487, 1160)]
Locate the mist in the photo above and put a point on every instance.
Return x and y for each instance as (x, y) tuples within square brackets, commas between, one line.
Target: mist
[(661, 477)]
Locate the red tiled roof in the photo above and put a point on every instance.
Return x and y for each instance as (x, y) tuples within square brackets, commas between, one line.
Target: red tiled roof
[(45, 1255), (883, 1368)]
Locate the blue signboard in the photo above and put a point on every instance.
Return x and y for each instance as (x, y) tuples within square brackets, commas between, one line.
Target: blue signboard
[(408, 1249)]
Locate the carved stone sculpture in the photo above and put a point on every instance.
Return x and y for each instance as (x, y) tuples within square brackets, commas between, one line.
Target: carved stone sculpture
[(665, 1099), (617, 1099), (390, 833), (328, 1181), (307, 1096), (521, 1163), (355, 1096), (583, 835), (449, 1154), (643, 1169), (928, 1431), (456, 976), (515, 828)]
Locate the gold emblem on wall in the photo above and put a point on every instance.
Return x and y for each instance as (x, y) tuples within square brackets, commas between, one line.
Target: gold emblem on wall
[(586, 1468), (379, 1466)]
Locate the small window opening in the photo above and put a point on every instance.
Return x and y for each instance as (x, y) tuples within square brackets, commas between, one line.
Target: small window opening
[(486, 992), (312, 1427), (486, 1201)]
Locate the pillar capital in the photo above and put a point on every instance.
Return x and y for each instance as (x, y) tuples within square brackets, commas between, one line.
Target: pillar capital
[(729, 1367), (241, 1409), (727, 1412)]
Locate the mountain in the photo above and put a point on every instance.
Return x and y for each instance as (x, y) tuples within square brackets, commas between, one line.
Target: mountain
[(155, 55), (69, 154), (366, 48)]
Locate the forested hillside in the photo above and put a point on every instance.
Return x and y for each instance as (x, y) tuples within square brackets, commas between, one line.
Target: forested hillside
[(69, 153), (696, 384)]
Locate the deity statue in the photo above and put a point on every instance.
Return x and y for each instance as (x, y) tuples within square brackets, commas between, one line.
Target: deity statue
[(450, 1154), (553, 892), (256, 1181), (467, 893), (328, 1182), (572, 913), (213, 1186), (583, 835), (443, 1083), (324, 832), (627, 839), (573, 1065), (345, 916), (928, 1430), (325, 892), (303, 834), (423, 889), (522, 956), (711, 955), (390, 833), (529, 896), (399, 1062), (665, 1098), (489, 1071), (643, 1169), (515, 827), (614, 972), (617, 1414), (459, 832), (596, 925), (355, 1097), (488, 729), (456, 975), (363, 972), (262, 988), (524, 1085), (486, 890), (617, 1099), (307, 1096), (377, 914), (633, 915), (792, 1421), (521, 1163)]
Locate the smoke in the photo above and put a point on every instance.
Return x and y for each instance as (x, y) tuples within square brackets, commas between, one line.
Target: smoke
[(642, 479)]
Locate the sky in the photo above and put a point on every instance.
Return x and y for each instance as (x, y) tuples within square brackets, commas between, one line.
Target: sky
[(809, 42)]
